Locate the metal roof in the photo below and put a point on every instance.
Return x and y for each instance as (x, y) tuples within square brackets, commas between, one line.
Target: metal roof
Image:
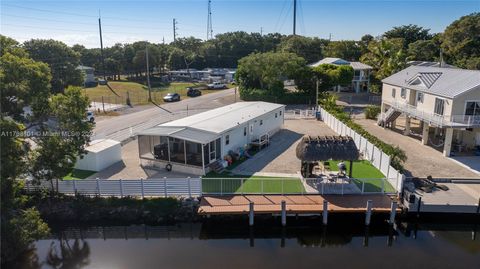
[(339, 61), (100, 145), (207, 126), (446, 82), (360, 66), (432, 64)]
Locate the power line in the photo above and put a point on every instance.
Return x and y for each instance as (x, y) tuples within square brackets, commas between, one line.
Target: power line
[(74, 14), (280, 16), (78, 23)]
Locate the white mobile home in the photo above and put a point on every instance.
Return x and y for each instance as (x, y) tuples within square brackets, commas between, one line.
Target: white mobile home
[(193, 144)]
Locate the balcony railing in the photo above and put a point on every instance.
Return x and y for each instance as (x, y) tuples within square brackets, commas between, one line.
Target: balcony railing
[(360, 78), (462, 121)]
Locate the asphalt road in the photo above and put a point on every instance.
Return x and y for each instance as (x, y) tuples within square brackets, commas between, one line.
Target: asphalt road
[(122, 127)]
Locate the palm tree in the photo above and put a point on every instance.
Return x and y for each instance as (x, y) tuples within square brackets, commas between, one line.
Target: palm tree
[(74, 256)]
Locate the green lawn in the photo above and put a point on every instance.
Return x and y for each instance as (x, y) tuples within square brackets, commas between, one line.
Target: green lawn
[(224, 183), (138, 92), (365, 171), (78, 174)]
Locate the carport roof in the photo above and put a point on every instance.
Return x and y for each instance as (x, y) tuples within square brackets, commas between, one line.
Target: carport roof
[(325, 148), (184, 133)]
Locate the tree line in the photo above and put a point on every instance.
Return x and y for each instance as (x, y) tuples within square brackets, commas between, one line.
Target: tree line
[(42, 135), (459, 45)]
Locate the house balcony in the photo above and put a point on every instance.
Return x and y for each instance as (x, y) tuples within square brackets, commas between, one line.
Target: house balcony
[(360, 78), (452, 121)]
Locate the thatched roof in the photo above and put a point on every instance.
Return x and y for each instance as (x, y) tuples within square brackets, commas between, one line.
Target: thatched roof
[(325, 148)]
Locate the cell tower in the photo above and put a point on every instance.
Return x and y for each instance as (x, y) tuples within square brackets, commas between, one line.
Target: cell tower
[(209, 21)]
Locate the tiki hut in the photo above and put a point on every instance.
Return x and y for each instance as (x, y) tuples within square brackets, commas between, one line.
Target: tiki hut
[(314, 149)]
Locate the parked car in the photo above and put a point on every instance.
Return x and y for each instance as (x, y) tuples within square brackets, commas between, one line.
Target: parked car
[(171, 97), (192, 92), (217, 85), (102, 81), (90, 116)]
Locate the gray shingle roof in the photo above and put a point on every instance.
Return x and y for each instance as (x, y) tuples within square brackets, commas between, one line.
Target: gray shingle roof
[(446, 82)]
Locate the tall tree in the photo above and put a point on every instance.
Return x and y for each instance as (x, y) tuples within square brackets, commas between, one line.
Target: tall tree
[(24, 83), (267, 71), (346, 49), (424, 50), (461, 42), (311, 49), (410, 33), (56, 154), (61, 59), (386, 56)]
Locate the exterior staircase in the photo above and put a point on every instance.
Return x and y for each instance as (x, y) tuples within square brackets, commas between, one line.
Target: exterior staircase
[(388, 117), (217, 167)]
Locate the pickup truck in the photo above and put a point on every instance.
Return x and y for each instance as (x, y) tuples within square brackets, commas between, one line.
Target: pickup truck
[(217, 85)]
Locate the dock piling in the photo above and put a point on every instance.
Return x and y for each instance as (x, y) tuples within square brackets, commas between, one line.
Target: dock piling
[(251, 215), (284, 213), (478, 206), (419, 206), (325, 212), (368, 214), (393, 211)]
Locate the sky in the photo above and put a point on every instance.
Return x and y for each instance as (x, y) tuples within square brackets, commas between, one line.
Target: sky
[(76, 22)]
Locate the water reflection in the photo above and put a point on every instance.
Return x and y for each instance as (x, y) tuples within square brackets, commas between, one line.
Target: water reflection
[(68, 254), (235, 245)]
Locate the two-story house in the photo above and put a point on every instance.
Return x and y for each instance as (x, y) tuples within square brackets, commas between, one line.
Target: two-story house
[(361, 73), (446, 101)]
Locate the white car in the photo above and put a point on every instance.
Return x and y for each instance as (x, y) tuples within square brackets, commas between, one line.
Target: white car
[(217, 85), (90, 116)]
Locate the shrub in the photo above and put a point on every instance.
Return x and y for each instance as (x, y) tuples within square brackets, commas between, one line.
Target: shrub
[(371, 112), (397, 155)]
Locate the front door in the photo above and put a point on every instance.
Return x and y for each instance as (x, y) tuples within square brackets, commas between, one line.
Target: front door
[(250, 131), (212, 153)]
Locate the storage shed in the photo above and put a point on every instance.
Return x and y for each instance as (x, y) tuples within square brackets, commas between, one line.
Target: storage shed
[(101, 153), (193, 144)]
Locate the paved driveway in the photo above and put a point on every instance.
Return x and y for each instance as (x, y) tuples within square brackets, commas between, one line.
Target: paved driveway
[(422, 160), (279, 158)]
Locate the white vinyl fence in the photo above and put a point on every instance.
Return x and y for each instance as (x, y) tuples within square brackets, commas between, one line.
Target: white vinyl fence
[(370, 152), (158, 187), (300, 114)]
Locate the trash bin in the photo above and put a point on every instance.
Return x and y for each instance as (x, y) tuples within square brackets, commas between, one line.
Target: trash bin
[(318, 115)]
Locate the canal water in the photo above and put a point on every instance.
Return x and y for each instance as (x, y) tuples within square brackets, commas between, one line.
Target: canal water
[(232, 244)]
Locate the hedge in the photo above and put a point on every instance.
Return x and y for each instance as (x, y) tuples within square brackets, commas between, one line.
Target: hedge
[(280, 97), (397, 155)]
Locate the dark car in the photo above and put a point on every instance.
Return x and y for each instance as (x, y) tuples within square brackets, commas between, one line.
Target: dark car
[(171, 97), (192, 92)]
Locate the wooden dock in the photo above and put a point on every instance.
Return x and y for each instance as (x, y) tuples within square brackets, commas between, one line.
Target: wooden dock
[(295, 204)]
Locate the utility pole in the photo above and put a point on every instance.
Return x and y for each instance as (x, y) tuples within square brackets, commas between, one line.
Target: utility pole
[(330, 37), (101, 45), (316, 94), (261, 31), (294, 17), (209, 21), (148, 75), (174, 30)]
